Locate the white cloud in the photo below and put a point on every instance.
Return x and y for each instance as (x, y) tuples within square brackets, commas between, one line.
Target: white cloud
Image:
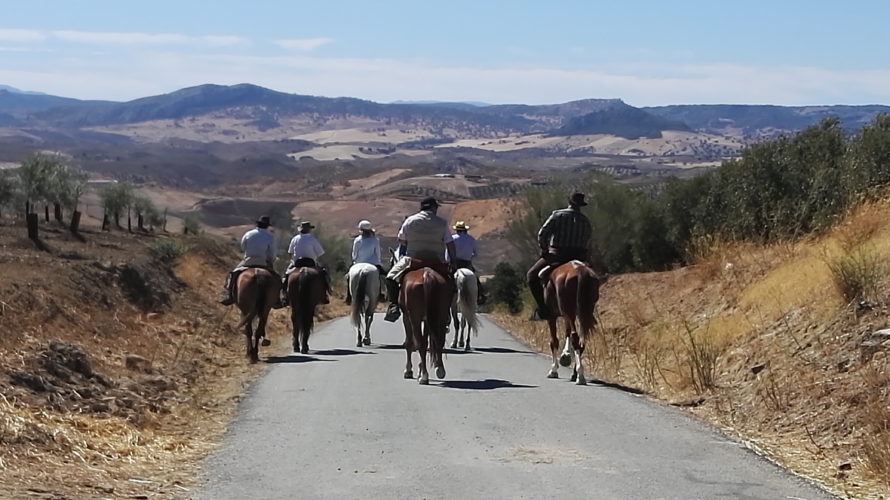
[(303, 44), (136, 38), (16, 35)]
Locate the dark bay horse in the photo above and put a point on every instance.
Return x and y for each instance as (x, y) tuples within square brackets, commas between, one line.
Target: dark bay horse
[(571, 292), (425, 299), (305, 290), (257, 291)]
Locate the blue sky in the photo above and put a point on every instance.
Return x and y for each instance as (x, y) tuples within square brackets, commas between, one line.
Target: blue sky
[(534, 52)]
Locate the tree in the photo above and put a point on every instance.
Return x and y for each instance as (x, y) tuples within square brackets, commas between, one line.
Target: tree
[(115, 198), (143, 207), (191, 224), (506, 287), (8, 189)]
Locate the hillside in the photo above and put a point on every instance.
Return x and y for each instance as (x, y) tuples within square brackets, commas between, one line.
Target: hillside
[(760, 341), (118, 371)]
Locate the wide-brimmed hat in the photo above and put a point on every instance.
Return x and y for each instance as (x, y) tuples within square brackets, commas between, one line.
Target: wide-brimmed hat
[(365, 225), (461, 226), (577, 199), (306, 225), (263, 221), (429, 202)]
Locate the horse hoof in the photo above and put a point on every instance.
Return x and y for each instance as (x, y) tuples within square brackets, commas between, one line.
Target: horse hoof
[(573, 378), (440, 372), (581, 381), (304, 350), (266, 342), (358, 344), (461, 343), (454, 345), (552, 375), (367, 341), (409, 375), (565, 359), (423, 381)]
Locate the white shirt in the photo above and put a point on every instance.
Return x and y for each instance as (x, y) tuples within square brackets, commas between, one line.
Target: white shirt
[(259, 243), (426, 234), (464, 246), (305, 245), (366, 250)]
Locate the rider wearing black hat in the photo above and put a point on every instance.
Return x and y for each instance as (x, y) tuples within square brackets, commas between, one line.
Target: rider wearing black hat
[(564, 236), (259, 247), (426, 236)]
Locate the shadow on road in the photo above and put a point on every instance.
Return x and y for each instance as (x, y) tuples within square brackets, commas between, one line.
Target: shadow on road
[(484, 385), (500, 350), (340, 352), (397, 347), (292, 358), (613, 385)]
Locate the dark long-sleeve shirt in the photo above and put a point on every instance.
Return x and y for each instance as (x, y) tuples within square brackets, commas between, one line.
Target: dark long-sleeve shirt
[(565, 228)]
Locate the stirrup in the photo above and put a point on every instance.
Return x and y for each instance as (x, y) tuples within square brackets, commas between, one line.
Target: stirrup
[(227, 301)]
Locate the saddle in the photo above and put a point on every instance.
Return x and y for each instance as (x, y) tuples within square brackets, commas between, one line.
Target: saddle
[(440, 268), (544, 274)]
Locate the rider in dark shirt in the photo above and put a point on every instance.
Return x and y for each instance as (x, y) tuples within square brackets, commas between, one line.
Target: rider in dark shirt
[(564, 236)]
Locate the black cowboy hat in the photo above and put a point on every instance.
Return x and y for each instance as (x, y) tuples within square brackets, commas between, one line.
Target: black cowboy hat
[(429, 202), (577, 199), (306, 225), (263, 221)]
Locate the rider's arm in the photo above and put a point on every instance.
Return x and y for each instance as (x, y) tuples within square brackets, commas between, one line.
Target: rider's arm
[(270, 250), (546, 231), (355, 244), (451, 251)]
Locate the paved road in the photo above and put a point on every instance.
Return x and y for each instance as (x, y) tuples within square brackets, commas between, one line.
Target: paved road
[(342, 423)]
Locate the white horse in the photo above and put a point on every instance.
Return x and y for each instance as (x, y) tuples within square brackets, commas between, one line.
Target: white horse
[(364, 285), (465, 304)]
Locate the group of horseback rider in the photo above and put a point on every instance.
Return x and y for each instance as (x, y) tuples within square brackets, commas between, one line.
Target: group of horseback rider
[(423, 237)]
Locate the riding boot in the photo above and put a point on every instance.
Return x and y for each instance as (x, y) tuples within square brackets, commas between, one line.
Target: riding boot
[(542, 312), (392, 292), (229, 298), (481, 299)]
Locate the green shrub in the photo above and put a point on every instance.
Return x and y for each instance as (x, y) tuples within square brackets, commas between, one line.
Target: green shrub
[(168, 250), (856, 274)]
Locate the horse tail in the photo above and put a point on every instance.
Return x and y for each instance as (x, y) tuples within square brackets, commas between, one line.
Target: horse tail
[(259, 302), (467, 293), (305, 300), (434, 319), (588, 294), (358, 284)]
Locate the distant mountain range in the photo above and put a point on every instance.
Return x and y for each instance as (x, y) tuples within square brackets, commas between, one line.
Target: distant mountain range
[(267, 110)]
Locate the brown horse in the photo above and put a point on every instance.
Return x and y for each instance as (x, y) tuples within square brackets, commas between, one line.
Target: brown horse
[(425, 298), (571, 292), (257, 291), (305, 290)]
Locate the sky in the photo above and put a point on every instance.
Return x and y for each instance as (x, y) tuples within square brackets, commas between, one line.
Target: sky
[(647, 53)]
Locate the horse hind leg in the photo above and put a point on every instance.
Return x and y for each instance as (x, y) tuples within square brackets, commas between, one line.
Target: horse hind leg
[(369, 317), (578, 347), (252, 349), (465, 330), (565, 359), (554, 348)]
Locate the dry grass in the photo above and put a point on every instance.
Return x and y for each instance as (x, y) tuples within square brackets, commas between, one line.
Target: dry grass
[(765, 346)]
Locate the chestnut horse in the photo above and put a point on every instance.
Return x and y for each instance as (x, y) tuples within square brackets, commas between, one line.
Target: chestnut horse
[(425, 299), (257, 291), (305, 290), (571, 292)]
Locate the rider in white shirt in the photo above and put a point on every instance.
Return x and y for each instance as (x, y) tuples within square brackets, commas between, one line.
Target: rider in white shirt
[(465, 249), (305, 250), (259, 247), (365, 249)]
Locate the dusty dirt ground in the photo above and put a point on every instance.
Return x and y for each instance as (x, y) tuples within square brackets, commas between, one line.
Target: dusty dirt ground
[(118, 371)]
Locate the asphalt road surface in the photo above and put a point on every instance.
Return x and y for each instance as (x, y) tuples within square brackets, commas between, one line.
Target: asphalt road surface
[(341, 422)]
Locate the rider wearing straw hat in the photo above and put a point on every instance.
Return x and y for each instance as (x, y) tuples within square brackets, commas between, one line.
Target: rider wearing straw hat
[(465, 249)]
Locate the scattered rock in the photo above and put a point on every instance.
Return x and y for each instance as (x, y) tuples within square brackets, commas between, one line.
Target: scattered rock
[(137, 363), (877, 341), (31, 381), (845, 466), (758, 368)]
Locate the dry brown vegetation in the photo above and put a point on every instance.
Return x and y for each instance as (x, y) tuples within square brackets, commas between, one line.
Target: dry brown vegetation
[(767, 343), (118, 372)]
